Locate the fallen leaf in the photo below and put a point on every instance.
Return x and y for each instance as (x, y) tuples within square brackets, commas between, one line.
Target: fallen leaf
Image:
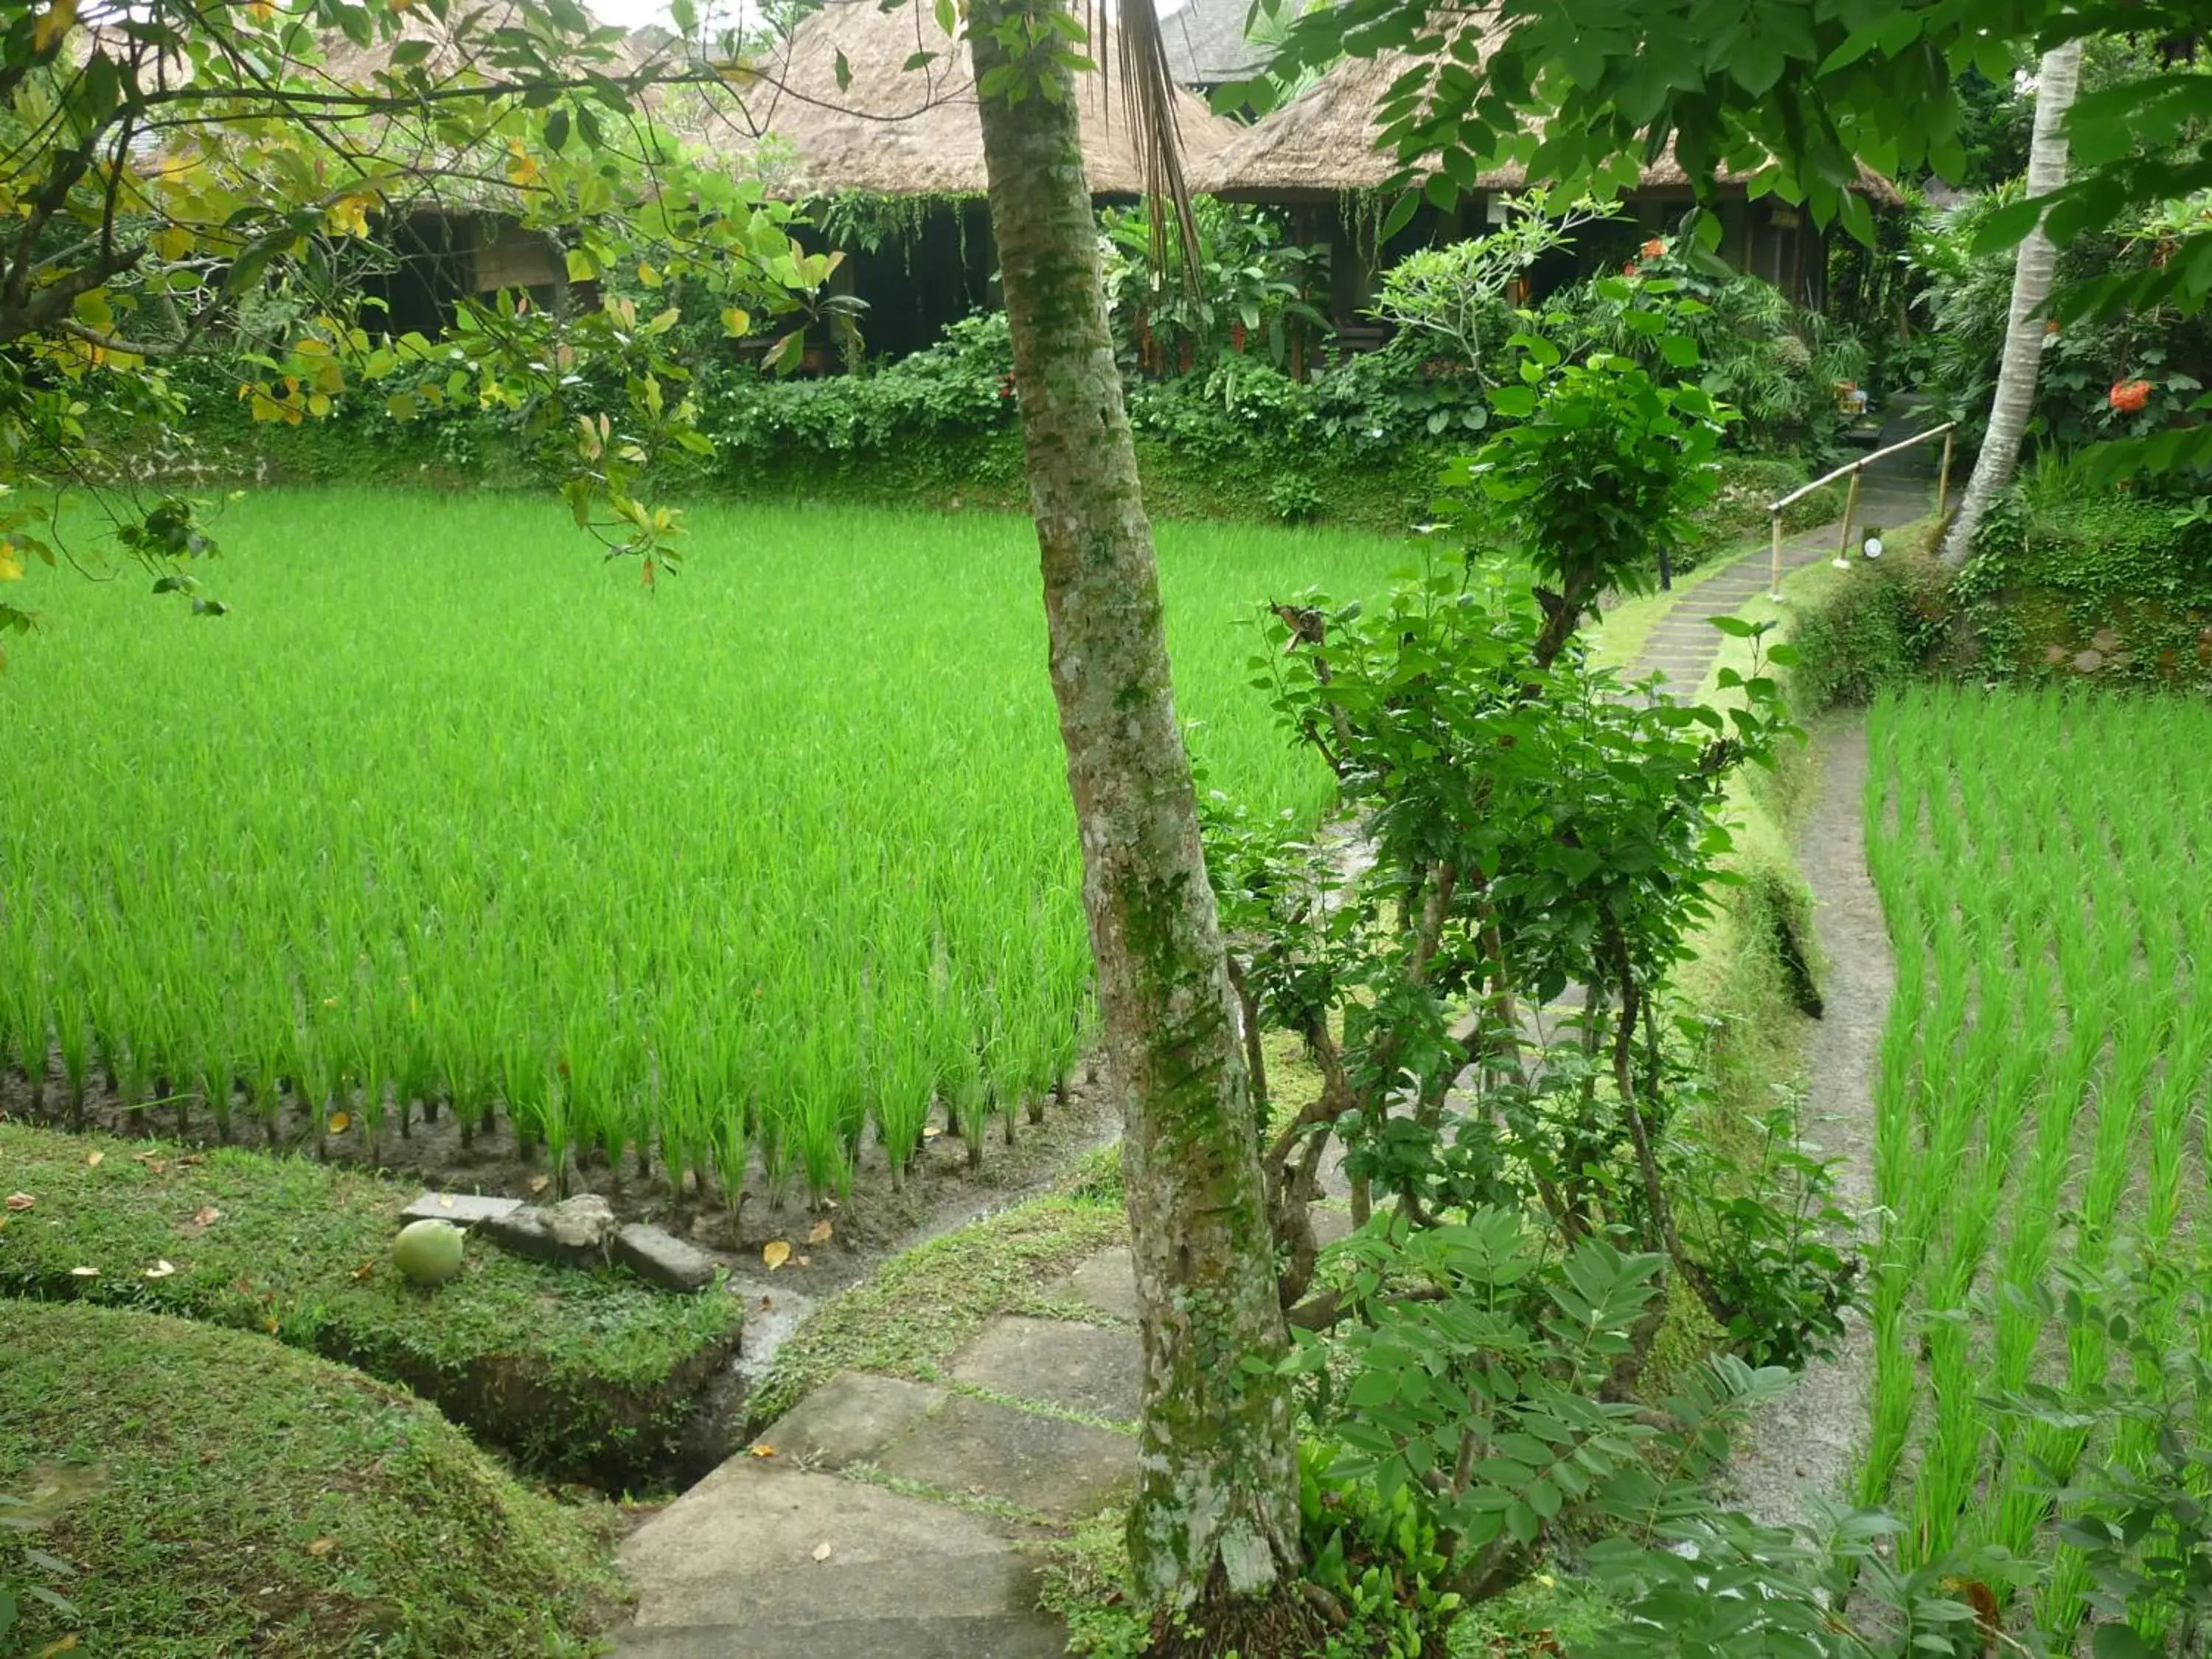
[(828, 1203), (269, 1326), (84, 1273), (92, 1160), (339, 1120), (766, 1303), (539, 1183), (20, 1202), (67, 1645), (776, 1253), (322, 1546), (931, 1133), (446, 1202), (822, 1551), (363, 1271), (205, 1216), (157, 1166), (160, 1270), (819, 1233), (801, 1261), (760, 1452)]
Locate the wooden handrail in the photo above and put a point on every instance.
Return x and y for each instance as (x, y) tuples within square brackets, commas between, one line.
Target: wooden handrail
[(1852, 470)]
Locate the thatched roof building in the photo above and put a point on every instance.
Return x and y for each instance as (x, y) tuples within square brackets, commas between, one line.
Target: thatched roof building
[(1323, 142), (895, 131)]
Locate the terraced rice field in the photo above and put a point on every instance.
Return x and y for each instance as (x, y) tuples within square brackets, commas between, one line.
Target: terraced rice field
[(755, 869), (2041, 1091)]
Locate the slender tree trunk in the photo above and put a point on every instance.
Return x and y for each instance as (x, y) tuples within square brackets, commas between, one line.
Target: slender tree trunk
[(1217, 1504), (2056, 82)]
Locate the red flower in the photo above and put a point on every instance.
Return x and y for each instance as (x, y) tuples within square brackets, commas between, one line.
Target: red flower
[(1632, 268), (2130, 396), (1654, 249)]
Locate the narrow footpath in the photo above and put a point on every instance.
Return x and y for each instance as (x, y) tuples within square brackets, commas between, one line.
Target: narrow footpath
[(884, 1518)]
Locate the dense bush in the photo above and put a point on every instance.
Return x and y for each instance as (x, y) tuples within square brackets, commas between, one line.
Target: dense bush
[(1877, 626)]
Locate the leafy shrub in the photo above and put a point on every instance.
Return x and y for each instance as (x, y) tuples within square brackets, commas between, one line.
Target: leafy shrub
[(1881, 624), (1295, 498)]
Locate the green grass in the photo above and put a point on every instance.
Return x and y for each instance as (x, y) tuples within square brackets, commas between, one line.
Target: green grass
[(741, 871), (909, 1317), (2039, 861), (219, 1495), (576, 1373)]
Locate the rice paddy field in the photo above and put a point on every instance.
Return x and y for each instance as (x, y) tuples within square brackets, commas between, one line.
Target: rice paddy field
[(758, 869), (2041, 1088)]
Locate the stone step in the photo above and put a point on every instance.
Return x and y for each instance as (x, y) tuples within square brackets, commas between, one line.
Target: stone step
[(1032, 1637), (738, 1568)]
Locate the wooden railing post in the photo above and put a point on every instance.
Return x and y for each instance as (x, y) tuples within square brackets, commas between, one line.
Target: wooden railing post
[(1850, 510), (1943, 478), (1774, 583)]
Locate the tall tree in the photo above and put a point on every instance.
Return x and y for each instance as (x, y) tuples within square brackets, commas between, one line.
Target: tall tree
[(2013, 402), (1216, 1517)]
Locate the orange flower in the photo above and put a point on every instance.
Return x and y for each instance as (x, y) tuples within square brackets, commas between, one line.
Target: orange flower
[(1654, 249), (2130, 396)]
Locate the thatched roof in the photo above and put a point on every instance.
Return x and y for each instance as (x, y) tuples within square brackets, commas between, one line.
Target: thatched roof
[(1324, 142), (1206, 45), (897, 131)]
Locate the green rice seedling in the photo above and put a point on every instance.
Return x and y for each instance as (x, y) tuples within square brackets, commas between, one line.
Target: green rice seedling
[(830, 744), (2036, 859)]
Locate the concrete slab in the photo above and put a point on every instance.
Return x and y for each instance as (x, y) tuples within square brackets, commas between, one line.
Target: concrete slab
[(661, 1258), (1084, 1368), (1026, 1636), (739, 1551), (462, 1209), (981, 1449), (1106, 1281), (851, 1418)]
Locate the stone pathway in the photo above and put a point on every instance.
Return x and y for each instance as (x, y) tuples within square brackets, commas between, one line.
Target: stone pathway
[(885, 1518), (1684, 644), (882, 1518)]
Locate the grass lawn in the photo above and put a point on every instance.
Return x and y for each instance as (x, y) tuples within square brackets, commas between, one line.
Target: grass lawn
[(218, 1494), (576, 1373), (448, 809)]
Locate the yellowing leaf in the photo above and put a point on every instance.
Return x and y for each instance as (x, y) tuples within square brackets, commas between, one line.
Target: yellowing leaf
[(53, 23), (819, 1233), (160, 1270), (339, 1120), (92, 1160), (775, 1254), (760, 1452), (539, 1183), (11, 564), (174, 243), (822, 1551), (66, 1644), (735, 322), (322, 1546)]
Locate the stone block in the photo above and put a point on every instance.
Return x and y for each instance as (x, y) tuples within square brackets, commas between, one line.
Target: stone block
[(462, 1209), (572, 1233), (662, 1259)]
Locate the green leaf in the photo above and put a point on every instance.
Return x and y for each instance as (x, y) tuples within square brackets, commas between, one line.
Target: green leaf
[(948, 17), (844, 72), (1735, 627), (2120, 1642)]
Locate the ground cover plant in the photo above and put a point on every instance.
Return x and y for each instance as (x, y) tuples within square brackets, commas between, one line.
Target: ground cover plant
[(585, 1375), (207, 1493), (2038, 1099), (742, 871)]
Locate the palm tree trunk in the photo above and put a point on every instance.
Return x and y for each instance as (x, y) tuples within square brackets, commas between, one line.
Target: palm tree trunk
[(1217, 1508), (2056, 82)]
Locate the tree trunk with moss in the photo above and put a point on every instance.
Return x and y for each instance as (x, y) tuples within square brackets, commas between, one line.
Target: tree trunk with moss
[(1217, 1508)]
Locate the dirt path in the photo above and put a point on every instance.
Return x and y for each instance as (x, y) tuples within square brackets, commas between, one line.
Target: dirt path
[(1808, 1442)]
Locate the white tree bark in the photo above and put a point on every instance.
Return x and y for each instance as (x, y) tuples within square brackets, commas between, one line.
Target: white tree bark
[(2057, 80)]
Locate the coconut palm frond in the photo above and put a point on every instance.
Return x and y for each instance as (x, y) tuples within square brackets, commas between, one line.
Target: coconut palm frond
[(1147, 89)]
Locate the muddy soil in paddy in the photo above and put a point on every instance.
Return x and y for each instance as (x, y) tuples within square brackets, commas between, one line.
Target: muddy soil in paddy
[(1809, 1442)]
